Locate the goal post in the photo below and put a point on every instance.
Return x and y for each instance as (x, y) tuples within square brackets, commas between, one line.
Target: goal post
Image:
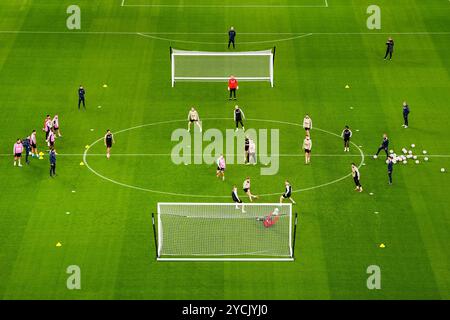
[(207, 66), (224, 232)]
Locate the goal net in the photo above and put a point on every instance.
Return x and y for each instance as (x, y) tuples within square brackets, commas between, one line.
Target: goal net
[(223, 232), (219, 66)]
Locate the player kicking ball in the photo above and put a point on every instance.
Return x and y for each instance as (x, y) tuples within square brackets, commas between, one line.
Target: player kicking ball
[(246, 187), (221, 166), (109, 140), (287, 193), (271, 219)]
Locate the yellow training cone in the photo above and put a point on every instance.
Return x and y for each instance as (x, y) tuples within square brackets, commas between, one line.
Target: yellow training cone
[(86, 146), (59, 244), (41, 158), (347, 87), (81, 163), (382, 245)]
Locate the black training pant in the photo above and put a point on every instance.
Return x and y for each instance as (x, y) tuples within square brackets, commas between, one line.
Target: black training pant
[(388, 53), (385, 150), (232, 93), (52, 169), (231, 41), (81, 100)]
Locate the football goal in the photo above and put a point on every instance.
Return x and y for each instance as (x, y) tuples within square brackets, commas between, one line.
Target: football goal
[(224, 232), (219, 66)]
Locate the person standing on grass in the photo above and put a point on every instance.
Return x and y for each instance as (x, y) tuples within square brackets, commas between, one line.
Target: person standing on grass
[(307, 146), (356, 177), (287, 193), (47, 126), (231, 38), (384, 146), (193, 117), (55, 123), (307, 124), (233, 86), (389, 48), (81, 97), (17, 151), (52, 159), (236, 199), (27, 146), (346, 135), (246, 188), (252, 152), (390, 166), (109, 140), (33, 142), (221, 166), (239, 116), (51, 139), (246, 147), (405, 114)]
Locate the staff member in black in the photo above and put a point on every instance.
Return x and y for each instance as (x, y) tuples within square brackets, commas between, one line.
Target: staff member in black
[(81, 94), (405, 115), (238, 117), (246, 147), (231, 38), (384, 146), (27, 146), (52, 157), (390, 168), (346, 135), (389, 49)]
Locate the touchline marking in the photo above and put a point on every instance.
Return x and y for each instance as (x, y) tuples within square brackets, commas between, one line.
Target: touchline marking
[(254, 6), (85, 155), (331, 155)]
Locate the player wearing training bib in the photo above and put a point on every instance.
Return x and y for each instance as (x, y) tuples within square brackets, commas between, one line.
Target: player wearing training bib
[(287, 193), (51, 139), (109, 140), (47, 126), (221, 165), (193, 117), (17, 151)]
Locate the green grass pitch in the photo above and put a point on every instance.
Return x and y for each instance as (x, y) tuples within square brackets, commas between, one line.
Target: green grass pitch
[(107, 232)]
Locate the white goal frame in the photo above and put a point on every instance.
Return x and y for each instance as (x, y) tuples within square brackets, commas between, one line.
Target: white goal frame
[(158, 235), (269, 53)]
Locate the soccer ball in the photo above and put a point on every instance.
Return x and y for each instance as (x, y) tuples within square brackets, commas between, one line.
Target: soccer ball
[(404, 150), (275, 212), (442, 170), (417, 161), (424, 151), (391, 151), (415, 157), (410, 152), (413, 145), (405, 162), (425, 159), (375, 156)]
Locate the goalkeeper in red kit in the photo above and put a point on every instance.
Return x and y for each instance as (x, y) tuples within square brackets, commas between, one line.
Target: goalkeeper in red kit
[(233, 87), (271, 219)]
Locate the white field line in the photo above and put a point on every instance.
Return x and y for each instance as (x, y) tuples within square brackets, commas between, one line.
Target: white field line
[(254, 6), (220, 33), (301, 155)]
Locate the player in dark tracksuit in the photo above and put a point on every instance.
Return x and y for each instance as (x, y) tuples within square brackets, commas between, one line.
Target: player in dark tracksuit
[(405, 114), (346, 135), (52, 158), (238, 117), (27, 146), (390, 168), (231, 38), (389, 49), (247, 147), (81, 94), (384, 146)]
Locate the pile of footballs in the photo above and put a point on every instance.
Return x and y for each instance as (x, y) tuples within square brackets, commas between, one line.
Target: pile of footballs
[(408, 155)]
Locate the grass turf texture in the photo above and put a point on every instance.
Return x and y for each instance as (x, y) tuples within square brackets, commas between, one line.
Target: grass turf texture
[(108, 231)]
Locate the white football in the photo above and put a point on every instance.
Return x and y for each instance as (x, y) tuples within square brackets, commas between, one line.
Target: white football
[(391, 151), (375, 156), (413, 145), (417, 161), (425, 159), (442, 169), (424, 151), (415, 157), (409, 152), (404, 150), (405, 162)]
